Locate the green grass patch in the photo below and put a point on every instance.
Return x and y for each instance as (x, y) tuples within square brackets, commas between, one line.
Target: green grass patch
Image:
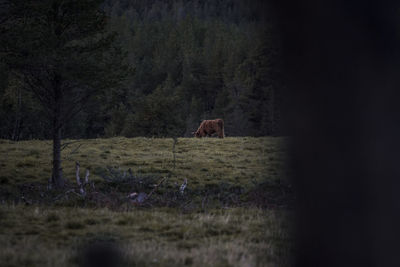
[(232, 159), (209, 225)]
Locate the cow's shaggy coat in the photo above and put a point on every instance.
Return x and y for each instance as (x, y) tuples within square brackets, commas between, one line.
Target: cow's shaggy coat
[(209, 127)]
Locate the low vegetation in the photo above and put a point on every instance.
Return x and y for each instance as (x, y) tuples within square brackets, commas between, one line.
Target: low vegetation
[(233, 212)]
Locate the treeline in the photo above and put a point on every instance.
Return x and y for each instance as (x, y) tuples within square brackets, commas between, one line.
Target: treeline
[(190, 60)]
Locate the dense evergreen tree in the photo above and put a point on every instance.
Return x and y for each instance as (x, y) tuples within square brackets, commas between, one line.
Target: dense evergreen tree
[(61, 52)]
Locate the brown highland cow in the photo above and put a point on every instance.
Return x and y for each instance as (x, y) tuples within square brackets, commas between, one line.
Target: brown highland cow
[(209, 127)]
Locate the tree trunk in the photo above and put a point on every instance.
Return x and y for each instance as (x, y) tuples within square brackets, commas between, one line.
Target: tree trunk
[(57, 178), (272, 128), (17, 123)]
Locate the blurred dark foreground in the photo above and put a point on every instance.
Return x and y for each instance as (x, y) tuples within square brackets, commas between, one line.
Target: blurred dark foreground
[(342, 69), (100, 253)]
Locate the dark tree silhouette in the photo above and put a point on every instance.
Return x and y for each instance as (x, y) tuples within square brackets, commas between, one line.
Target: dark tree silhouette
[(62, 52)]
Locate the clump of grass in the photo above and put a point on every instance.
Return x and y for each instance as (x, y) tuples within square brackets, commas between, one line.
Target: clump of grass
[(91, 221), (52, 217), (26, 163), (74, 225), (122, 222), (34, 152)]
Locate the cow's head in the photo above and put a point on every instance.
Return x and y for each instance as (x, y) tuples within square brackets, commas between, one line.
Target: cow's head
[(196, 134)]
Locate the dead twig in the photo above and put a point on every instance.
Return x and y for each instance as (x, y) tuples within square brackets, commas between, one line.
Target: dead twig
[(173, 150), (65, 194), (140, 198), (78, 179), (27, 202), (87, 176), (183, 186), (203, 202), (81, 184), (154, 189), (65, 145), (68, 157)]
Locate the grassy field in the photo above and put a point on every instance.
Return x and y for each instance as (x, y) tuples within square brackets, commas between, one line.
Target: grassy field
[(234, 211)]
